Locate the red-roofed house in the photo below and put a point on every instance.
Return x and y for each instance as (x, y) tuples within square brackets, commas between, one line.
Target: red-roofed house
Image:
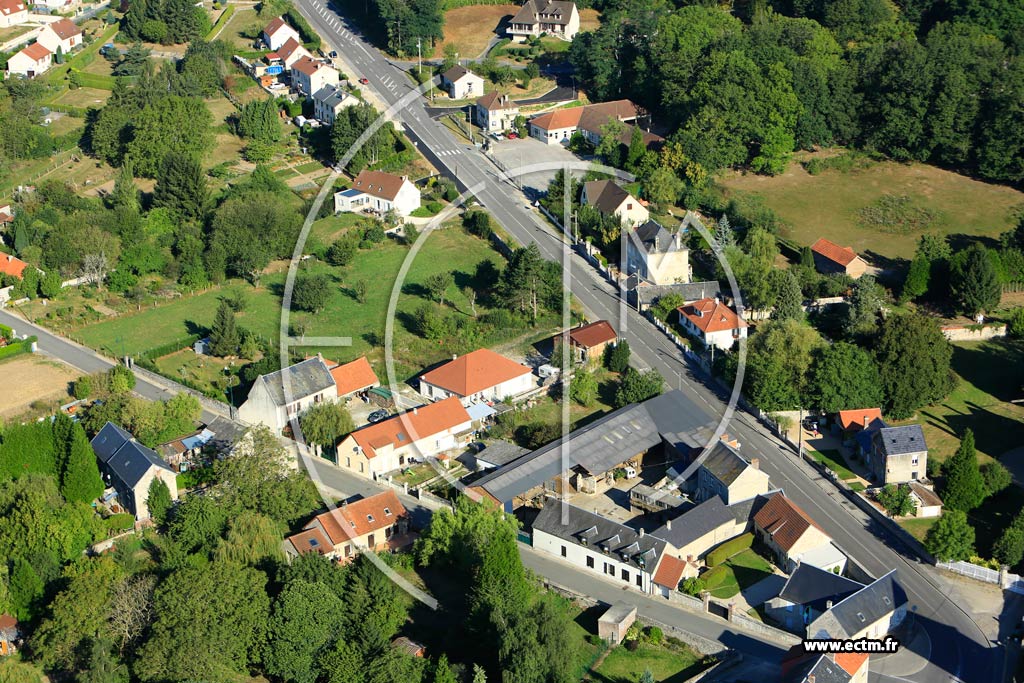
[(11, 265), (353, 378), (291, 52), (791, 534), (12, 13), (378, 191), (278, 32), (556, 127), (832, 258), (589, 341), (309, 75), (852, 421), (31, 61), (714, 323), (375, 523), (410, 437), (6, 215), (671, 570), (481, 375), (63, 35)]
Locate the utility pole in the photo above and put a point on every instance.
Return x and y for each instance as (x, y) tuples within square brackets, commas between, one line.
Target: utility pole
[(419, 56), (800, 432)]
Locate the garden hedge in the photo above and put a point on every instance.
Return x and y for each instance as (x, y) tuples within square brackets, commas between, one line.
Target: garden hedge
[(728, 549)]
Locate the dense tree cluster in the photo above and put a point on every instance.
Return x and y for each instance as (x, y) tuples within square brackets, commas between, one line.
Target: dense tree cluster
[(942, 85), (164, 21)]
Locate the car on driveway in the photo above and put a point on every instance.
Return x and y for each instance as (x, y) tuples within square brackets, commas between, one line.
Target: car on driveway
[(378, 416), (513, 136)]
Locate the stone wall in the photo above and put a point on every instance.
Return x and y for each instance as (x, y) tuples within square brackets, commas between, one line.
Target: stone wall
[(973, 333)]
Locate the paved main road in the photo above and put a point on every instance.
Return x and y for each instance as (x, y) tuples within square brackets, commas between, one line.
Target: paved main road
[(960, 651), (86, 360)]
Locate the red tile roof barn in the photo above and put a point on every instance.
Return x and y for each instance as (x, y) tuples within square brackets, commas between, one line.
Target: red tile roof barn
[(594, 334), (833, 252), (711, 315), (784, 521), (410, 426), (474, 372)]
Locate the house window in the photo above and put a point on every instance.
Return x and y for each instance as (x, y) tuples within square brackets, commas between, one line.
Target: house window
[(611, 569), (639, 580), (625, 576), (914, 461), (318, 398), (369, 541), (348, 550), (564, 552), (590, 562), (348, 463), (360, 467)]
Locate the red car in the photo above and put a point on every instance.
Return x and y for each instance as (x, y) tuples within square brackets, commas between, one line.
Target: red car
[(513, 136), (364, 81)]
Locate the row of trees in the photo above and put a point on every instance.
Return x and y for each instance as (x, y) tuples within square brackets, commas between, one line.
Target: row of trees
[(748, 93)]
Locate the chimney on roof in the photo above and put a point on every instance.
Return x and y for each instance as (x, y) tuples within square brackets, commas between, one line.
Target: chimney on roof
[(416, 411), (828, 604), (865, 422), (641, 532), (810, 678), (656, 243), (689, 558), (755, 463), (344, 503), (454, 356), (668, 525)]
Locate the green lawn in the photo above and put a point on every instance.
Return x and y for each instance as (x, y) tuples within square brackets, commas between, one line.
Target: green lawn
[(918, 528), (448, 249), (833, 459), (965, 206), (668, 663), (991, 375), (738, 572)]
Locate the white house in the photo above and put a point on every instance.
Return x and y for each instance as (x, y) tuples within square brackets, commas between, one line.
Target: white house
[(31, 61), (130, 468), (598, 545), (461, 83), (291, 52), (657, 255), (277, 398), (794, 538), (309, 75), (328, 102), (714, 323), (380, 192), (277, 33), (377, 523), (12, 13), (481, 375), (496, 112), (926, 502), (420, 433), (554, 17), (63, 35), (612, 200)]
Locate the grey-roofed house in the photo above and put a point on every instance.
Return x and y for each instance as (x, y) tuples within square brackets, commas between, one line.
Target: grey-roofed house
[(130, 468), (461, 83), (642, 294), (726, 473), (898, 454), (328, 102), (671, 421), (599, 545), (694, 533), (808, 593), (499, 454), (871, 612), (308, 383), (554, 17), (829, 668), (657, 255)]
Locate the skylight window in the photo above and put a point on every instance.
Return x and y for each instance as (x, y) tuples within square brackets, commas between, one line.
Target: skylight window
[(369, 518), (313, 543), (860, 615), (387, 512)]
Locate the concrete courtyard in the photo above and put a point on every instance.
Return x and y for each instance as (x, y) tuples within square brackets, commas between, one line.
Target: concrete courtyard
[(514, 154)]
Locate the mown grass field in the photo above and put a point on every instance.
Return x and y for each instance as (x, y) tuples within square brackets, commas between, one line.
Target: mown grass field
[(991, 375), (470, 28), (447, 249), (827, 205)]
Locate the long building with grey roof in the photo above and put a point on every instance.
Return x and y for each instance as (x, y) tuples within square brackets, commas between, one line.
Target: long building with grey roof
[(586, 457), (279, 397), (871, 612)]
